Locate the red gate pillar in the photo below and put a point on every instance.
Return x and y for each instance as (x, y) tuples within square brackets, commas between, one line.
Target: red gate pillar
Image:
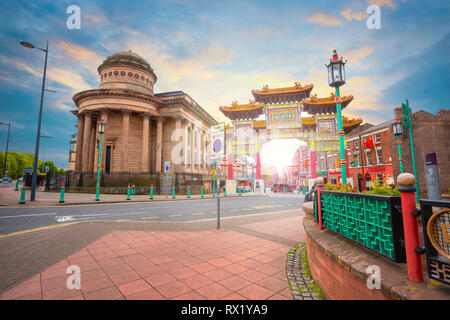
[(230, 167), (346, 161), (406, 183), (319, 185), (312, 156), (258, 166)]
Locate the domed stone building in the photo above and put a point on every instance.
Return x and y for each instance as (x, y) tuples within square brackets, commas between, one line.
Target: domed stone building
[(142, 128)]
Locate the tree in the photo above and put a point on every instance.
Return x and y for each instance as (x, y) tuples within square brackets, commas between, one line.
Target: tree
[(16, 162)]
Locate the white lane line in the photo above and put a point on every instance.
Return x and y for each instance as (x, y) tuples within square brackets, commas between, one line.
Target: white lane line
[(29, 215)]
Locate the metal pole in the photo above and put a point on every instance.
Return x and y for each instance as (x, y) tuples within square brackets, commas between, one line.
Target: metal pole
[(97, 191), (6, 153), (412, 151), (400, 158), (341, 138), (218, 205), (36, 151)]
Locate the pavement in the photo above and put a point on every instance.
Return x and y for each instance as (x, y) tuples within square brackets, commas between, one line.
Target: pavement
[(245, 259), (9, 197)]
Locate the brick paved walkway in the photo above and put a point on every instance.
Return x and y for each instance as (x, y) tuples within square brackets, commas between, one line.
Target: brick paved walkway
[(233, 263)]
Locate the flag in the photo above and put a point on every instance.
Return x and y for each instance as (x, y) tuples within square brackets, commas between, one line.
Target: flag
[(369, 143)]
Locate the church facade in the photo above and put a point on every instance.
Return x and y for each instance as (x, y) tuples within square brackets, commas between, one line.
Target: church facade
[(144, 131)]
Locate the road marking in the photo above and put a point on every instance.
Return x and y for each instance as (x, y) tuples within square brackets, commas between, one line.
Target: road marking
[(35, 229), (240, 216), (154, 217), (235, 210), (175, 215), (247, 209), (29, 215), (198, 213), (123, 220)]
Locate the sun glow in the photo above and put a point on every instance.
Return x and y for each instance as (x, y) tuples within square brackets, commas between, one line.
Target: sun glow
[(278, 153)]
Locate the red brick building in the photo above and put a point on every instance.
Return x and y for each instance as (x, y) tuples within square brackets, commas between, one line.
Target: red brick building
[(431, 134), (374, 161)]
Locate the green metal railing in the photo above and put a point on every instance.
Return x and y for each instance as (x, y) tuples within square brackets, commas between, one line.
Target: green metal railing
[(372, 221)]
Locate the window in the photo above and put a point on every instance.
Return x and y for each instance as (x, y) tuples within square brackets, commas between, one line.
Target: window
[(380, 177), (369, 157), (379, 155), (377, 138), (355, 144)]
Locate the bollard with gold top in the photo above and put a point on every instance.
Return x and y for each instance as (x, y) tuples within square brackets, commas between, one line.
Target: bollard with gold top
[(406, 182)]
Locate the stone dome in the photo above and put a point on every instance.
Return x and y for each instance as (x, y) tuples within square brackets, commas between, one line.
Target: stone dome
[(127, 70)]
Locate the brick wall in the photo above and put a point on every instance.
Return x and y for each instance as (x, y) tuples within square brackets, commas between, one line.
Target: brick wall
[(430, 134)]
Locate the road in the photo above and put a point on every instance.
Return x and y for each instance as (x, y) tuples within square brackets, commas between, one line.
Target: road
[(14, 220)]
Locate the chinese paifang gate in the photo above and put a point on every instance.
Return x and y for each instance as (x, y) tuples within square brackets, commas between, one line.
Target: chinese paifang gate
[(282, 110)]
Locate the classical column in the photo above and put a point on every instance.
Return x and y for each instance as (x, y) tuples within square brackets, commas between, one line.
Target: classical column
[(178, 143), (86, 141), (124, 142), (159, 132), (79, 150), (105, 116), (92, 147), (192, 148), (145, 142)]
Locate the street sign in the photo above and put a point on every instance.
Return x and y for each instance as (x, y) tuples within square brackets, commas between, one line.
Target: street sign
[(217, 141), (167, 166), (46, 169), (28, 170)]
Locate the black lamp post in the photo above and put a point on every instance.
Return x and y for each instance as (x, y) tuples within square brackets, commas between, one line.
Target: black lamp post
[(7, 143), (36, 152), (397, 129)]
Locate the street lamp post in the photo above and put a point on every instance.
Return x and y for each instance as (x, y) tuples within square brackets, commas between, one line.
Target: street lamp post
[(101, 130), (407, 122), (36, 152), (336, 78), (7, 142), (397, 129), (355, 156)]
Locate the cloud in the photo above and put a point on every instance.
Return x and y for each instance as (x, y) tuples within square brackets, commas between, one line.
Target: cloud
[(68, 78), (355, 56), (324, 20), (381, 3), (349, 15), (88, 59)]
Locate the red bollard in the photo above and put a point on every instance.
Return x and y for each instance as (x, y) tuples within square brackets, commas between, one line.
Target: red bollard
[(319, 186), (406, 182)]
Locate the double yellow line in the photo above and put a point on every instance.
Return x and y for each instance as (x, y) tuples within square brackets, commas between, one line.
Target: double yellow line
[(35, 230)]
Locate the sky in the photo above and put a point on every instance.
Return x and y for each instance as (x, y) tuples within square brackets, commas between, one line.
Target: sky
[(217, 52)]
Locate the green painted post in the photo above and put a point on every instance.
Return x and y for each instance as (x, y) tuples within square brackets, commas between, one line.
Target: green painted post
[(22, 196), (264, 189), (17, 186), (400, 157), (128, 192), (225, 192), (189, 192), (61, 197), (406, 110), (341, 137), (151, 192), (99, 165), (202, 192), (240, 192), (173, 192), (214, 179)]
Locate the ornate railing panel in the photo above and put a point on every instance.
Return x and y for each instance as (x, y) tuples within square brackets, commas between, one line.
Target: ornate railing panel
[(372, 221), (436, 230)]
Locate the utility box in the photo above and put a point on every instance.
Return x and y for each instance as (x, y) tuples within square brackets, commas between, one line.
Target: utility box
[(432, 176)]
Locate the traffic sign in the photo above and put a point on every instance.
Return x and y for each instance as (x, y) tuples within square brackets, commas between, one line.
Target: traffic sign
[(218, 141), (167, 166)]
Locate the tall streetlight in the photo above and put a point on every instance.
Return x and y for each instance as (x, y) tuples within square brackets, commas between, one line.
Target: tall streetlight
[(7, 142), (36, 152), (101, 130), (407, 122), (397, 129), (336, 78)]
